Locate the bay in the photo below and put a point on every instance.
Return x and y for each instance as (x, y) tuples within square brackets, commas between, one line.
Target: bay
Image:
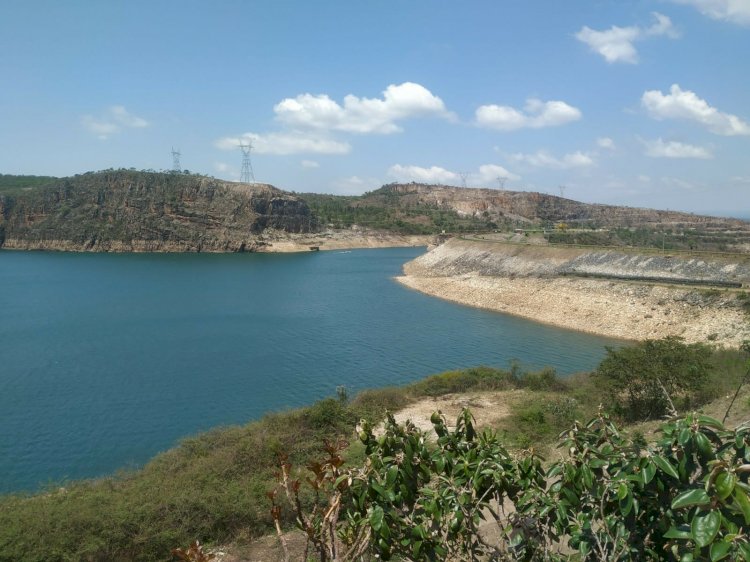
[(108, 359)]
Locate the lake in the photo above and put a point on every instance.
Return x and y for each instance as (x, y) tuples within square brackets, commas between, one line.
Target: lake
[(108, 359)]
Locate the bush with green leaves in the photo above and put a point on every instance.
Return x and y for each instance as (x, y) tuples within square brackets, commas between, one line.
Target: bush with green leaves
[(642, 380), (685, 497)]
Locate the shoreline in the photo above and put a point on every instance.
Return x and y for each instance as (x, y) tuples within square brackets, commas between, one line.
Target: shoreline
[(622, 310), (270, 242)]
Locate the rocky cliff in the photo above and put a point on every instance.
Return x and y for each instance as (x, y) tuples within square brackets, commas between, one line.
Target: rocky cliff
[(125, 210)]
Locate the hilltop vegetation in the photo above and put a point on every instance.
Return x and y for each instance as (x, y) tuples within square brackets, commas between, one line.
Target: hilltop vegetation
[(213, 487), (17, 185)]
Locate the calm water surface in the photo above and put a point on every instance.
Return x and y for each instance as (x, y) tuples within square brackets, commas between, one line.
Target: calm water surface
[(105, 360)]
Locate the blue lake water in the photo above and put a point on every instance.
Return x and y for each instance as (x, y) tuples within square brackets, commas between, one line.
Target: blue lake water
[(107, 359)]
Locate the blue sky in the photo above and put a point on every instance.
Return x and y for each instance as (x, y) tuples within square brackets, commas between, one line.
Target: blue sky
[(644, 102)]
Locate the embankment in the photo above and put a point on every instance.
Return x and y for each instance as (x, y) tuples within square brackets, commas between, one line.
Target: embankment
[(618, 294)]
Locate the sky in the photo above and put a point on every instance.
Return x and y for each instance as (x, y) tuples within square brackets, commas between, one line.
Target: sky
[(637, 102)]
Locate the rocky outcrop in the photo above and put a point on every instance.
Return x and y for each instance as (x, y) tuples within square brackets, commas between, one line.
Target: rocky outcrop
[(126, 211), (606, 293)]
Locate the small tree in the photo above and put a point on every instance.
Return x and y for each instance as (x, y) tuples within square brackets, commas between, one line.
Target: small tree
[(642, 380)]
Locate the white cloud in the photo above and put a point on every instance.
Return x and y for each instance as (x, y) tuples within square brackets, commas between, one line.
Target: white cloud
[(684, 104), (616, 43), (735, 11), (486, 175), (286, 143), (354, 185), (535, 115), (644, 178), (433, 174), (543, 159), (221, 167), (489, 173), (309, 164), (121, 116), (361, 115), (605, 142), (112, 122), (673, 149)]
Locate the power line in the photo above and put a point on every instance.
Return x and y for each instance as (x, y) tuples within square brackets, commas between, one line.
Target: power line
[(176, 160), (247, 175)]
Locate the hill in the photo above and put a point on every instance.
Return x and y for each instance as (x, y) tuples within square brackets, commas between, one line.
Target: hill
[(129, 210), (124, 210)]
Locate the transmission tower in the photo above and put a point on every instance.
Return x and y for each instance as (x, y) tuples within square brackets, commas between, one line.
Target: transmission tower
[(247, 175), (501, 182), (562, 189), (176, 160), (464, 176)]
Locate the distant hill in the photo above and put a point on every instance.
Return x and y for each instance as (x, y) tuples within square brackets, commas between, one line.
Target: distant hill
[(128, 210), (124, 210), (527, 208)]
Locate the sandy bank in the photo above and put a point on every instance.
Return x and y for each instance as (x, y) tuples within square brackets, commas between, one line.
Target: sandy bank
[(341, 240), (619, 310)]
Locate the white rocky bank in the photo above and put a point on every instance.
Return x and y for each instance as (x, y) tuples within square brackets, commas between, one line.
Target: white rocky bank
[(637, 302)]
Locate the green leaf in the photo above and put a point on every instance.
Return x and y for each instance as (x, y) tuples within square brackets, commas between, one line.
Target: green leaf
[(588, 477), (683, 436), (648, 472), (724, 484), (705, 527), (626, 505), (688, 498), (710, 422), (740, 496), (719, 550), (390, 475), (683, 532), (703, 444), (665, 466), (376, 518)]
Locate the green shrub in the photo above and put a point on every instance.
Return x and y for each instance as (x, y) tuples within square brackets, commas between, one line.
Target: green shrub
[(684, 497), (476, 378), (544, 380), (640, 380)]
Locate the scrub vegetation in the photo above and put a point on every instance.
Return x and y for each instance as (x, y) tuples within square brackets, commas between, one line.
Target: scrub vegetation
[(213, 487)]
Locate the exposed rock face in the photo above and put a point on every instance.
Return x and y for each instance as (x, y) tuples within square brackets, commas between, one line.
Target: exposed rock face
[(555, 285), (530, 206), (140, 211), (461, 257)]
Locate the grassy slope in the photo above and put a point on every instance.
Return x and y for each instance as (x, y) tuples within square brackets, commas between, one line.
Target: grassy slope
[(212, 487)]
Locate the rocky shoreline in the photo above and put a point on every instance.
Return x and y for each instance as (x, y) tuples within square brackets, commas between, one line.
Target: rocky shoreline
[(630, 310), (271, 240)]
